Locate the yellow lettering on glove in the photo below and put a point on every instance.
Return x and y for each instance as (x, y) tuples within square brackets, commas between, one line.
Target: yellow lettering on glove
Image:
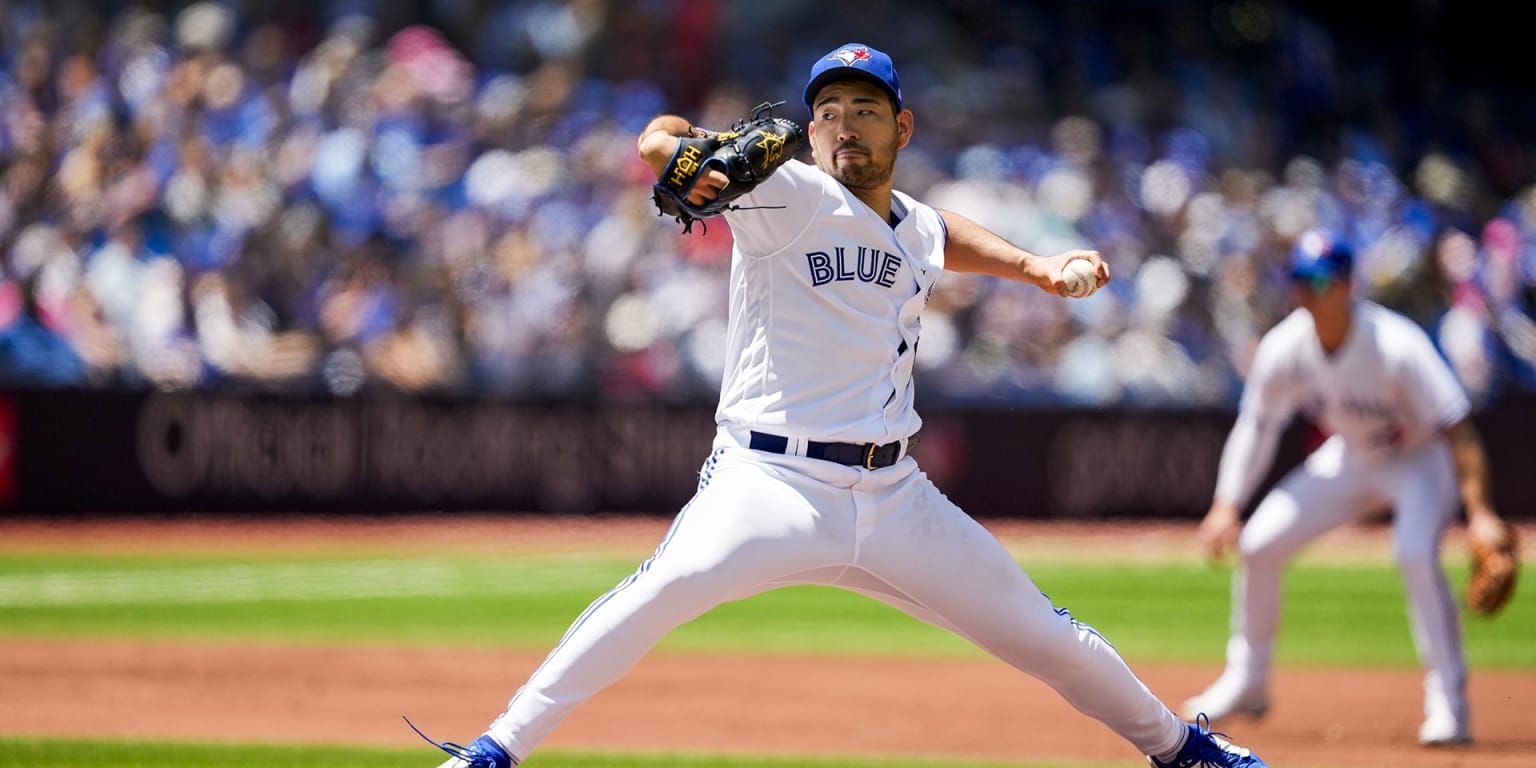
[(684, 166)]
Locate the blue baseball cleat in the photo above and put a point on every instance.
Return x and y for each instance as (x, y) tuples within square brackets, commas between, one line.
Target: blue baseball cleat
[(1205, 749), (481, 753)]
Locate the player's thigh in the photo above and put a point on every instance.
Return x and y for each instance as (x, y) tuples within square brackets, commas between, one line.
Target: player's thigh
[(864, 583), (1318, 496), (935, 556), (748, 525), (1022, 628)]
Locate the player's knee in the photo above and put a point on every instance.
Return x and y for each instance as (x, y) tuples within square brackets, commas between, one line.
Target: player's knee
[(1416, 560), (1261, 553), (1067, 644)]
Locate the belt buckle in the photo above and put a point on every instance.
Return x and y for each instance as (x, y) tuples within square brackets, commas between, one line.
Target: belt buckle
[(869, 455)]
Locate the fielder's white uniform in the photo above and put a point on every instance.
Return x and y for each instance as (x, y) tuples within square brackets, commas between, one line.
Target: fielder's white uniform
[(825, 302), (1385, 397)]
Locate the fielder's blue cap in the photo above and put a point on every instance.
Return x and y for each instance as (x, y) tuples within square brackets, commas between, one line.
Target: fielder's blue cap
[(1321, 255), (856, 61)]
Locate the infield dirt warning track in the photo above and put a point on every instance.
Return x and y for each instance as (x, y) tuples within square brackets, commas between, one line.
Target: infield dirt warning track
[(675, 701)]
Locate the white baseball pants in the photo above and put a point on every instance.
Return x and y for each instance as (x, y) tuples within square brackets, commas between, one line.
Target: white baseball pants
[(760, 521), (1325, 492)]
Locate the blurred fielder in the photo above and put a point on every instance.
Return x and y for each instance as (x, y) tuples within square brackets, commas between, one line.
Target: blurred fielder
[(1400, 437)]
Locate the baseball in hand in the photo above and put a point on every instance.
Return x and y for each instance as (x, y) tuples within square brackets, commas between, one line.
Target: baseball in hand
[(1081, 279)]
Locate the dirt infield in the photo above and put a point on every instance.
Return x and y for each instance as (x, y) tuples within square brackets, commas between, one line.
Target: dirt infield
[(676, 701)]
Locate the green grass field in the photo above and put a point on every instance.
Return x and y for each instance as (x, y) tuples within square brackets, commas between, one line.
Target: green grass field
[(1348, 615)]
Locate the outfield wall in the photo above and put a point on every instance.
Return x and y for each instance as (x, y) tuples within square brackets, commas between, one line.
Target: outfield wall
[(76, 452)]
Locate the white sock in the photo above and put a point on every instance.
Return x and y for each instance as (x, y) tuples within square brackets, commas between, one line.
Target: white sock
[(1171, 756)]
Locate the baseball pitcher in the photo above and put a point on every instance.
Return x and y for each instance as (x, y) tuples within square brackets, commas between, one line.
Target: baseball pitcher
[(811, 478)]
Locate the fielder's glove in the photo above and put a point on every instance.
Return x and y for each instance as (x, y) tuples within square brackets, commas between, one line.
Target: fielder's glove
[(1495, 564), (749, 152)]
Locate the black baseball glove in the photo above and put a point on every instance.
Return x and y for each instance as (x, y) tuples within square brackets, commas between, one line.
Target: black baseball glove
[(748, 153)]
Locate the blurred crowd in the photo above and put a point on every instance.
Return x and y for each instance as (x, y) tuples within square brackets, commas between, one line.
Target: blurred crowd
[(341, 196)]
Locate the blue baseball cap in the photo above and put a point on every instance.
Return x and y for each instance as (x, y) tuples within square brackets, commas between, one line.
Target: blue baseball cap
[(1321, 256), (854, 60)]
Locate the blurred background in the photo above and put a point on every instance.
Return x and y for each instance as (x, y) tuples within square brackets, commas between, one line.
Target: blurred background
[(367, 254)]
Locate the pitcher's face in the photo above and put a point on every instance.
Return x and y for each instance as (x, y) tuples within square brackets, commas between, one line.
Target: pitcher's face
[(856, 133)]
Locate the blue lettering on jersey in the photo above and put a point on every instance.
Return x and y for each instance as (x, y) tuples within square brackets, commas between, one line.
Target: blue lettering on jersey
[(821, 267), (866, 265)]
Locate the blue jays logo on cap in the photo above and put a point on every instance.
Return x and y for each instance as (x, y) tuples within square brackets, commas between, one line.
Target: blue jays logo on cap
[(849, 55), (854, 61), (1321, 256)]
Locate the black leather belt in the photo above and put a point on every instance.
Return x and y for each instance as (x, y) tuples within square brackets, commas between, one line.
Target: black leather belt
[(866, 455)]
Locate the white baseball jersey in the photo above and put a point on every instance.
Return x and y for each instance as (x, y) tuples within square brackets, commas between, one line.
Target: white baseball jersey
[(824, 274), (1385, 392)]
